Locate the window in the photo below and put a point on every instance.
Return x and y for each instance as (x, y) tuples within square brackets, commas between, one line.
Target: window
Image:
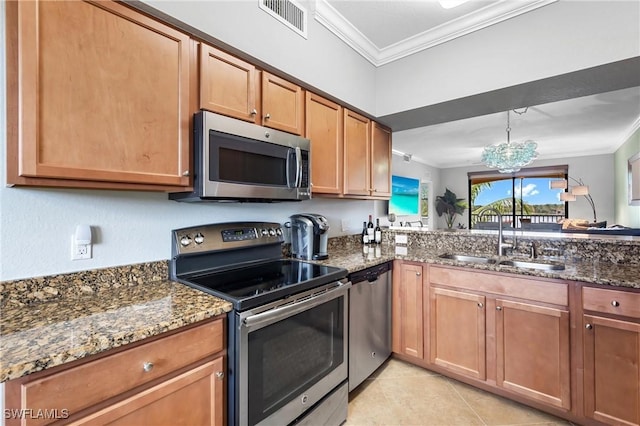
[(524, 199)]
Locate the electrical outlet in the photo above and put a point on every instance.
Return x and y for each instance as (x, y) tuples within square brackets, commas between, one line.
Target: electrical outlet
[(80, 251)]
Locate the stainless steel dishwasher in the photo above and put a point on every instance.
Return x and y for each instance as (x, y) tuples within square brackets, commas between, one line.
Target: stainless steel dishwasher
[(369, 321)]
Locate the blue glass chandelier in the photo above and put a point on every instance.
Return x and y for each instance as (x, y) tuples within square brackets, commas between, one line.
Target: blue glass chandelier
[(510, 157)]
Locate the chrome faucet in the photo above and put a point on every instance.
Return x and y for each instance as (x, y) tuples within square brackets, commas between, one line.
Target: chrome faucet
[(502, 244)]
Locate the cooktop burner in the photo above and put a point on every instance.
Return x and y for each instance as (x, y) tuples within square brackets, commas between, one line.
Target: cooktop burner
[(255, 285), (242, 263)]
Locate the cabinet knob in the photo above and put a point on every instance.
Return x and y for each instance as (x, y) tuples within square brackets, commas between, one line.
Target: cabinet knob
[(373, 354), (267, 116), (185, 173), (615, 303), (220, 375), (418, 274), (588, 326), (147, 366), (480, 305), (254, 111), (498, 308)]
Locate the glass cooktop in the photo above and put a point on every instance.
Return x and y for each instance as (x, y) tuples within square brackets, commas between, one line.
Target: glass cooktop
[(257, 284)]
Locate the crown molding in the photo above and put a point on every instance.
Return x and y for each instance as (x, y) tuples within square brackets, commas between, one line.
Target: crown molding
[(481, 18), (627, 134)]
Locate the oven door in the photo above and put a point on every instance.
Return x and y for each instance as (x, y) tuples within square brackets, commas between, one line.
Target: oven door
[(291, 355)]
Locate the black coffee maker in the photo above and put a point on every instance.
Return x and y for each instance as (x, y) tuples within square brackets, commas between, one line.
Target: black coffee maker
[(309, 235)]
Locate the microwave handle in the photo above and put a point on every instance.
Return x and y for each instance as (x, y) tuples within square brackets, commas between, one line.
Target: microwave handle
[(298, 176), (298, 167)]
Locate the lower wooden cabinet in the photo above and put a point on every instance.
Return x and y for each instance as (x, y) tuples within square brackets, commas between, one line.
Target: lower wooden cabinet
[(532, 352), (192, 398), (407, 310), (611, 356), (457, 332), (177, 379)]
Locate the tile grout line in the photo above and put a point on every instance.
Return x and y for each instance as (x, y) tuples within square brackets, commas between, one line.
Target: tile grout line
[(465, 401)]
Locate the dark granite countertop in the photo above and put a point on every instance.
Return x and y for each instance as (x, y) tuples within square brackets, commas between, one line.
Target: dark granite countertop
[(49, 322), (352, 257)]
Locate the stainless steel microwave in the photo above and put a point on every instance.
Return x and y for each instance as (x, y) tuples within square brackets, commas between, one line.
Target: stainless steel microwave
[(239, 161)]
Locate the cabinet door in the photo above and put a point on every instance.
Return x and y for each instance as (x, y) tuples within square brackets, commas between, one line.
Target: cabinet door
[(532, 352), (227, 85), (324, 129), (612, 370), (407, 310), (380, 161), (357, 154), (282, 104), (102, 94), (195, 397), (458, 332)]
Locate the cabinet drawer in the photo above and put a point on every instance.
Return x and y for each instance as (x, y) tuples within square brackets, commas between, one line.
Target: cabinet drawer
[(556, 293), (611, 301), (88, 384)]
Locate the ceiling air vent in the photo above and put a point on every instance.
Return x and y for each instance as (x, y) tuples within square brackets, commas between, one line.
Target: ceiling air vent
[(287, 12)]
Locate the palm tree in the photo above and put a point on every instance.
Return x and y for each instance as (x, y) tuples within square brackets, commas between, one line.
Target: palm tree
[(504, 206)]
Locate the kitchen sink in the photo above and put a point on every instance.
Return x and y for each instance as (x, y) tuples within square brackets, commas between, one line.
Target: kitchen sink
[(467, 258), (533, 265)]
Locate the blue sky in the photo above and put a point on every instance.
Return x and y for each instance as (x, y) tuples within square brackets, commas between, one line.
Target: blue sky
[(534, 191)]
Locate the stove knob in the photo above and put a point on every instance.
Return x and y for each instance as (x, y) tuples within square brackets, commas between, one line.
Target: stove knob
[(279, 232), (264, 232), (199, 238), (185, 241), (272, 232)]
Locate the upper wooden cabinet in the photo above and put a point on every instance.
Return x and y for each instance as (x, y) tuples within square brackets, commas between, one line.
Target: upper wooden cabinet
[(380, 161), (324, 129), (282, 104), (357, 154), (367, 157), (233, 87), (98, 96), (228, 85)]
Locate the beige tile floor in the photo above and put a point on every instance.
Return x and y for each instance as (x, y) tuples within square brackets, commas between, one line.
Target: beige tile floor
[(399, 393)]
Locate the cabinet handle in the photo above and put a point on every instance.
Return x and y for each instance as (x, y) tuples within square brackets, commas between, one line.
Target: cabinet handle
[(185, 173), (615, 303), (147, 366), (254, 111), (220, 375), (480, 305), (418, 274), (267, 116), (588, 326), (498, 308)]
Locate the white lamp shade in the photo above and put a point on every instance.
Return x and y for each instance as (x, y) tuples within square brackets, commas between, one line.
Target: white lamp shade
[(580, 190), (567, 196), (558, 184)]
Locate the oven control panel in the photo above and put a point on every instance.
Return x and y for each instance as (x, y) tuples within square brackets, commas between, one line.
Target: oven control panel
[(224, 236)]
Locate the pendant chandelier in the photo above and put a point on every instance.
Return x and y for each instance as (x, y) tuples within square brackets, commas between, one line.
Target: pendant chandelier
[(510, 157)]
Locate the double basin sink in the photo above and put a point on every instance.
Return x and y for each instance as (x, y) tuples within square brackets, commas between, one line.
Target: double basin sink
[(532, 264)]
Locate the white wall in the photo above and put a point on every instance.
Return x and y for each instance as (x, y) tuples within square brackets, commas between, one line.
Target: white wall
[(596, 171), (559, 38)]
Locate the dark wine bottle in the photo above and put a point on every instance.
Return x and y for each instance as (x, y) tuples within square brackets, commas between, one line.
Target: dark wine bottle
[(365, 234), (377, 232), (370, 230)]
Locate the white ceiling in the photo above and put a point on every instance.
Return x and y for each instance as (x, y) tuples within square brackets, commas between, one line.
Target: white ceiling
[(383, 31)]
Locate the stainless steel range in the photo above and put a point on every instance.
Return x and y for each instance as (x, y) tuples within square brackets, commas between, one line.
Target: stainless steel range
[(287, 334)]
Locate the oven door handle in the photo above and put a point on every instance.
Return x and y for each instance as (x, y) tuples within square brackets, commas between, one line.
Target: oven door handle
[(276, 314)]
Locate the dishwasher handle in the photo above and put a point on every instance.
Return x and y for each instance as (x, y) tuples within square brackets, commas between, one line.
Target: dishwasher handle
[(370, 274)]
